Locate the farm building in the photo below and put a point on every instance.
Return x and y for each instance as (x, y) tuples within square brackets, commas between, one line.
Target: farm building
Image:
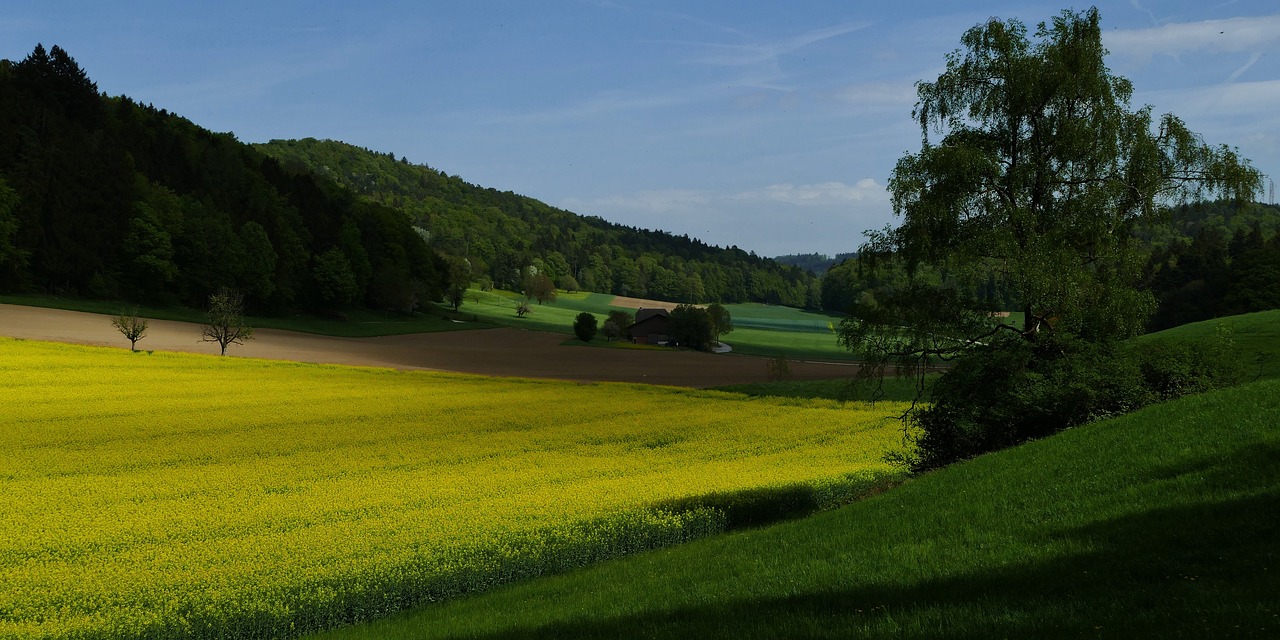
[(650, 326)]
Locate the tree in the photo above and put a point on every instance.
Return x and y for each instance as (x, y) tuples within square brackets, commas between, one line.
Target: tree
[(523, 309), (584, 326), (691, 326), (540, 287), (1041, 173), (721, 321), (335, 281), (459, 280), (131, 327), (226, 325), (615, 326)]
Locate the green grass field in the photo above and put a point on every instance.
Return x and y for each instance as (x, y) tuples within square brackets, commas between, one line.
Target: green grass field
[(759, 329), (1156, 524), (1257, 338)]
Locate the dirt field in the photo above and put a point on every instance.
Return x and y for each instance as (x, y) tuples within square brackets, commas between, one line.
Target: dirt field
[(495, 352), (641, 303)]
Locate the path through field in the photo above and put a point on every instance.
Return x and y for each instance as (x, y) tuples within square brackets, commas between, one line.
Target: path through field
[(494, 352)]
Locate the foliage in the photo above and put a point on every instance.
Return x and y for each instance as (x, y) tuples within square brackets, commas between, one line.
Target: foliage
[(111, 198), (721, 320), (538, 286), (615, 326), (691, 327), (1013, 390), (131, 327), (226, 324), (459, 281), (584, 326), (1040, 175), (334, 278), (248, 498), (1218, 259), (523, 309), (503, 234)]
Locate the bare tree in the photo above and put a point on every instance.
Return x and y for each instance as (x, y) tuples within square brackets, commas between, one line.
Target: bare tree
[(131, 327), (226, 319)]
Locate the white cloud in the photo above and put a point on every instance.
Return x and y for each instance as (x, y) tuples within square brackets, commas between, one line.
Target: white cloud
[(1232, 35), (825, 193), (1245, 100), (879, 94)]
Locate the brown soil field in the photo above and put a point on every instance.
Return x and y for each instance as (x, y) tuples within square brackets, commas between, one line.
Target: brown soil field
[(641, 303), (491, 352)]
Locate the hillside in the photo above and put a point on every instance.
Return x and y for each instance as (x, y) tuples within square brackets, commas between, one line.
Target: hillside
[(109, 198), (501, 233), (1155, 524)]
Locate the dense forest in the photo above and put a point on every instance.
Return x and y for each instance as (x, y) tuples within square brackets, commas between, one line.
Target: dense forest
[(1215, 259), (500, 237), (106, 197)]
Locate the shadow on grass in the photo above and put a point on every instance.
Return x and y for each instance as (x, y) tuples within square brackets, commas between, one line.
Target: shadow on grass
[(1203, 569)]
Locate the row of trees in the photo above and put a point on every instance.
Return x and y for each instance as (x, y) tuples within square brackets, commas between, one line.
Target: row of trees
[(105, 197), (226, 325)]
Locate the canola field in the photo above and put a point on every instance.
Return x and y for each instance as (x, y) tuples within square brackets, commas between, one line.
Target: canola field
[(184, 496)]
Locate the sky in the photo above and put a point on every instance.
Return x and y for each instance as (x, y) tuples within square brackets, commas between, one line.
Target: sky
[(771, 126)]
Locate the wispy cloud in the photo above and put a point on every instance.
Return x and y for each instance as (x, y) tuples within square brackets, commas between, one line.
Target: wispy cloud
[(1246, 101), (685, 201), (754, 53), (823, 193), (879, 94), (1233, 35)]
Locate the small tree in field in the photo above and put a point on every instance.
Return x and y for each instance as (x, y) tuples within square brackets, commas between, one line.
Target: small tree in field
[(523, 309), (584, 326), (226, 319), (615, 328), (131, 327)]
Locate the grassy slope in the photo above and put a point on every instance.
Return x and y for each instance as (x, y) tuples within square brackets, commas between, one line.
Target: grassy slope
[(1257, 337), (1160, 523)]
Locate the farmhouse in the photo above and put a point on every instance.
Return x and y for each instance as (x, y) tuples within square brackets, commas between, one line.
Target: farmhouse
[(650, 326)]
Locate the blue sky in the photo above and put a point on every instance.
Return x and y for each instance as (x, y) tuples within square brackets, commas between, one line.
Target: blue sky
[(773, 126)]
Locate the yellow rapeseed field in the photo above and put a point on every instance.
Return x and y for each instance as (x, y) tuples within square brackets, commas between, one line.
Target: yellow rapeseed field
[(172, 496)]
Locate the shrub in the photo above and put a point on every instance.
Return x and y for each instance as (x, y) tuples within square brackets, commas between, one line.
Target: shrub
[(584, 326), (1013, 390)]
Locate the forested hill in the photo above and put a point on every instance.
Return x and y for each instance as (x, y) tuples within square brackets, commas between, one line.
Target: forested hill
[(500, 234), (818, 263), (107, 197)]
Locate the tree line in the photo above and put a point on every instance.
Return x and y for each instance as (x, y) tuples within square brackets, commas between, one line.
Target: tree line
[(106, 197)]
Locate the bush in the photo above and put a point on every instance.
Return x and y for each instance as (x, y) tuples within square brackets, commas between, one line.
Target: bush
[(584, 326), (615, 327), (1013, 390)]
